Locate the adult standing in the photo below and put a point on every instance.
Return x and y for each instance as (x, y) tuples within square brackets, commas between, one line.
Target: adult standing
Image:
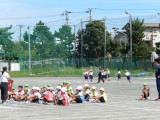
[(4, 85), (99, 75), (157, 75)]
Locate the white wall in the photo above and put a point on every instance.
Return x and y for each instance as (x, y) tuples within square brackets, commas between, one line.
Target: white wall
[(148, 35), (15, 67)]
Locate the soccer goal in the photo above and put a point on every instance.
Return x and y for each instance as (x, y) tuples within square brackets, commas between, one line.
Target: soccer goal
[(45, 66)]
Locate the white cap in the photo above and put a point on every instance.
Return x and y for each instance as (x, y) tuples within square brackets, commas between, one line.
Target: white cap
[(86, 85), (79, 88), (63, 89), (93, 87), (37, 88), (102, 89), (58, 87)]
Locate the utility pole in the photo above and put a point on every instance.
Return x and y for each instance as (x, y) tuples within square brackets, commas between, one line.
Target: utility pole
[(105, 42), (74, 42), (81, 43), (29, 51), (66, 14), (130, 21), (20, 32), (90, 13)]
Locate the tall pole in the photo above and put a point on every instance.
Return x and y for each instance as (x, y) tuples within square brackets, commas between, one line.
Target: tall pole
[(67, 19), (81, 43), (130, 21), (74, 53), (105, 42), (90, 14), (131, 38), (29, 51), (20, 33)]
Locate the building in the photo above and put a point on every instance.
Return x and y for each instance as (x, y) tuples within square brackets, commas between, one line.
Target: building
[(121, 38), (152, 33)]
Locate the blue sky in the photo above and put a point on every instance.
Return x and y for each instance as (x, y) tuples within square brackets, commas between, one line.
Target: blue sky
[(115, 18)]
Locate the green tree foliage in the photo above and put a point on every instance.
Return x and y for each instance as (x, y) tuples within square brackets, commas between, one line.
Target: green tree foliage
[(65, 37), (42, 41), (5, 39), (93, 40), (140, 48)]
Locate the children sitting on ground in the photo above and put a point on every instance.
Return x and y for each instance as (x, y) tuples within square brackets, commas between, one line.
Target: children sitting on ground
[(35, 95), (19, 94), (145, 92), (63, 94), (102, 96), (78, 97), (128, 76), (93, 94), (70, 91), (12, 94), (86, 92)]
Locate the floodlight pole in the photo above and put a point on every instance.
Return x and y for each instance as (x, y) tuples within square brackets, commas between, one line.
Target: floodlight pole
[(29, 51), (105, 42), (81, 43), (130, 21)]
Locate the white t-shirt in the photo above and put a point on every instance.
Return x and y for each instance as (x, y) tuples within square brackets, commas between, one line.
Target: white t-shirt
[(37, 94), (87, 91), (127, 73), (4, 77), (90, 73), (119, 72)]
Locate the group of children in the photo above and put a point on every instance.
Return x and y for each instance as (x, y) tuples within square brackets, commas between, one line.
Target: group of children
[(62, 95), (104, 75)]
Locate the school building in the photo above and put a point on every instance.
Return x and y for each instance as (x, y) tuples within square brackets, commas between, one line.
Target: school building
[(151, 32)]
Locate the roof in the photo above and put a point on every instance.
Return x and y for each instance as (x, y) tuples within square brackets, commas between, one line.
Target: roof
[(149, 25), (152, 25)]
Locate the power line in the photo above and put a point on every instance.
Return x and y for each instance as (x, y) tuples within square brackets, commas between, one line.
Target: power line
[(125, 9), (35, 17)]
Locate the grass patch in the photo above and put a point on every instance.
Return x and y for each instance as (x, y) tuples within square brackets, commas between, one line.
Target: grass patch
[(70, 72)]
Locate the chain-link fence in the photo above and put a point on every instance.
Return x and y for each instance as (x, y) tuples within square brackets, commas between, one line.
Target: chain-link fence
[(43, 66)]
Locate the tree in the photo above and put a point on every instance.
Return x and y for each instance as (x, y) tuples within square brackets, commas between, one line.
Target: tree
[(93, 40), (42, 41), (65, 37), (140, 48), (5, 39)]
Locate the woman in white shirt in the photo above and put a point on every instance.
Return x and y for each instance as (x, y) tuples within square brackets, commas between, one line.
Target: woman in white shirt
[(4, 85)]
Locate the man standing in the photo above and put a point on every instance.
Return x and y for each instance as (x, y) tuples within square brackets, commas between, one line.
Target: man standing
[(99, 74), (157, 75)]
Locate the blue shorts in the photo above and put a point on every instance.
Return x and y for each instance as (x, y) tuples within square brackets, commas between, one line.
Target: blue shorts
[(91, 76), (128, 77)]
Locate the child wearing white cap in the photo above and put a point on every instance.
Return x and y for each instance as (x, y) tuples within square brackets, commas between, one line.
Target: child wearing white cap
[(145, 92), (93, 94), (35, 96), (86, 92), (78, 97), (102, 97)]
